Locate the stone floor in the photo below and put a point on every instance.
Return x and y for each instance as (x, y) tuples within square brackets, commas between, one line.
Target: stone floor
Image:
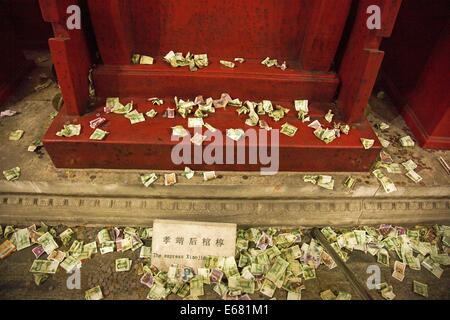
[(16, 282)]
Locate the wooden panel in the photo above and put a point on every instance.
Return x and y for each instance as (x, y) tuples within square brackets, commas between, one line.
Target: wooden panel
[(112, 24), (227, 29), (324, 33)]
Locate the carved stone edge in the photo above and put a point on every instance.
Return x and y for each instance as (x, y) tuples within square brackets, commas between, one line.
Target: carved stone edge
[(81, 210)]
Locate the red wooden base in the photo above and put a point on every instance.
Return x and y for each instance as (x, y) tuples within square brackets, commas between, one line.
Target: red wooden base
[(148, 145)]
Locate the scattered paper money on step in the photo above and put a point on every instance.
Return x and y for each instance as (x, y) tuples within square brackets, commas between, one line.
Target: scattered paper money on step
[(349, 182), (148, 179), (235, 134), (326, 135), (97, 122), (414, 176), (70, 130), (367, 143), (141, 59), (209, 175), (387, 183), (188, 173), (198, 139), (179, 131), (98, 134), (383, 126), (228, 64), (170, 179), (152, 114), (409, 165), (385, 143), (329, 116), (135, 117), (195, 123), (288, 130)]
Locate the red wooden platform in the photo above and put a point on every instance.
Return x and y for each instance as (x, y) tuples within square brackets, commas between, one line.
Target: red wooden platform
[(308, 34), (149, 146)]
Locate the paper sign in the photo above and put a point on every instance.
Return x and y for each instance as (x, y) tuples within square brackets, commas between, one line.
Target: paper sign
[(189, 243)]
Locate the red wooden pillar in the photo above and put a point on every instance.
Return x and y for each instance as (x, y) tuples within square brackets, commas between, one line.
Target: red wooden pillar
[(324, 33), (112, 27), (70, 55), (362, 58)]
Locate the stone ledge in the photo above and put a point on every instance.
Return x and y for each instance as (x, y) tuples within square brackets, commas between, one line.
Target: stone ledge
[(138, 211)]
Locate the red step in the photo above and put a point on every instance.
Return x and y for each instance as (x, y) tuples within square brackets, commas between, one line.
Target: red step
[(148, 145), (250, 79)]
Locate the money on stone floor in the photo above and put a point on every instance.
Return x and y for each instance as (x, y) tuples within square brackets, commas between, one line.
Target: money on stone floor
[(266, 260)]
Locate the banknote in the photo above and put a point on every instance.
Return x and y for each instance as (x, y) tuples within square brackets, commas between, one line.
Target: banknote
[(329, 116), (123, 265), (12, 174), (16, 135), (94, 294), (288, 129), (228, 64), (6, 249), (48, 243), (367, 143), (420, 288), (149, 179), (44, 266), (70, 130), (57, 256), (407, 142), (70, 263), (145, 253), (98, 134), (135, 117), (399, 270), (21, 239), (170, 179)]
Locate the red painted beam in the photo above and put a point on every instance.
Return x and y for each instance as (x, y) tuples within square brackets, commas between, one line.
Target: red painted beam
[(70, 55), (362, 59), (324, 34)]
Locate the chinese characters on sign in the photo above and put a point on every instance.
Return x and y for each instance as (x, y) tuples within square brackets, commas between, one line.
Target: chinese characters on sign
[(205, 242), (189, 243)]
